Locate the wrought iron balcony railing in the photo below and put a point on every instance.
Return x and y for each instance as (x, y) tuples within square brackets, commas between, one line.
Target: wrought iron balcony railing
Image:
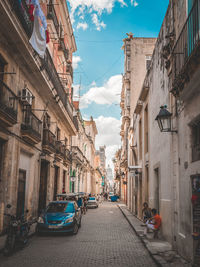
[(49, 66), (67, 155), (60, 149), (31, 127), (69, 69), (21, 10), (77, 153), (8, 105), (186, 44), (51, 14), (49, 141)]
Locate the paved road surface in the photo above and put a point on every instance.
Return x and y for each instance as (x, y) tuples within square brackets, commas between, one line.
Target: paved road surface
[(105, 239)]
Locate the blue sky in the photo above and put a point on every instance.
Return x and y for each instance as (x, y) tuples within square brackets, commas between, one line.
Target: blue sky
[(99, 28)]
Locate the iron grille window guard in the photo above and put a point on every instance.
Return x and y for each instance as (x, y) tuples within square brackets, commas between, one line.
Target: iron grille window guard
[(49, 139), (31, 123), (8, 100), (187, 42)]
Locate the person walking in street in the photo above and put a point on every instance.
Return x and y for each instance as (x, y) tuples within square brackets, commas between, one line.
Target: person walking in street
[(84, 204)]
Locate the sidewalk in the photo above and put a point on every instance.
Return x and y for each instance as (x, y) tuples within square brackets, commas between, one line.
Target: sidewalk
[(3, 237), (160, 250)]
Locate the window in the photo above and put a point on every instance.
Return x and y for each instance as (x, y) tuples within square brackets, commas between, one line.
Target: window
[(46, 123), (2, 68), (140, 139), (58, 134), (66, 141), (128, 64), (1, 158), (196, 141), (128, 98), (148, 62), (146, 127)]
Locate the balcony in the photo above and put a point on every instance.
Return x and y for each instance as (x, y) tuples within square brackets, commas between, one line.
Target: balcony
[(60, 150), (51, 14), (77, 154), (48, 142), (21, 10), (49, 67), (67, 157), (8, 106), (31, 127), (185, 53), (69, 70)]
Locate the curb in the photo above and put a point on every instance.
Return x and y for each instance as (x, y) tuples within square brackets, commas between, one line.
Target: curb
[(152, 256)]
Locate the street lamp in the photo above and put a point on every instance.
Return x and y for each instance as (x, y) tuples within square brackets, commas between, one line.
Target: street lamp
[(164, 119)]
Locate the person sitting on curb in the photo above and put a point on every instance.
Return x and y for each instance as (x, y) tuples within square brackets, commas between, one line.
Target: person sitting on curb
[(154, 223)]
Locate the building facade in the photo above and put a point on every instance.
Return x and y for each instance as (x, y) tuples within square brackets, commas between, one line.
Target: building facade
[(137, 58), (165, 164), (41, 154)]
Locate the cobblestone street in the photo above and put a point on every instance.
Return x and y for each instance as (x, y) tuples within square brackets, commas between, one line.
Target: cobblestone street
[(105, 239)]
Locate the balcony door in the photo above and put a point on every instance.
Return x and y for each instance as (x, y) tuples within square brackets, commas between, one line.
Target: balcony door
[(44, 170)]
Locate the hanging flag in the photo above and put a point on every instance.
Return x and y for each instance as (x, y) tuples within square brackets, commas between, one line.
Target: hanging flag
[(40, 35)]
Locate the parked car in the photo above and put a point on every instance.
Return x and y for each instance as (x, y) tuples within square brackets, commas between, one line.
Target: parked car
[(92, 203), (111, 194), (60, 216)]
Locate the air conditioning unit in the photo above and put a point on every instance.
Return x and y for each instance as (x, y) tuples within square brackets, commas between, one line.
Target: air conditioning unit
[(26, 97)]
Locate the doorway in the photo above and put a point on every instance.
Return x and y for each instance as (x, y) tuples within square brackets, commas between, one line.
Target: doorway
[(136, 195), (21, 193), (196, 216), (157, 190), (55, 182), (64, 182), (43, 185)]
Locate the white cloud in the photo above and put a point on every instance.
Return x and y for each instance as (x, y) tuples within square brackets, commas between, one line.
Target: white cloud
[(134, 3), (75, 61), (107, 94), (109, 135), (82, 25), (98, 24), (91, 6)]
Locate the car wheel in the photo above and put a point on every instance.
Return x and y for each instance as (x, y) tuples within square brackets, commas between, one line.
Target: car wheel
[(75, 229)]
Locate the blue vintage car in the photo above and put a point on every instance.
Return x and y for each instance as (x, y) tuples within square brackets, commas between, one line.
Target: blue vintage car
[(60, 216)]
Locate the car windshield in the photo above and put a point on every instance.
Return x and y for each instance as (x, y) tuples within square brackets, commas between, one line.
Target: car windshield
[(57, 207), (92, 198)]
